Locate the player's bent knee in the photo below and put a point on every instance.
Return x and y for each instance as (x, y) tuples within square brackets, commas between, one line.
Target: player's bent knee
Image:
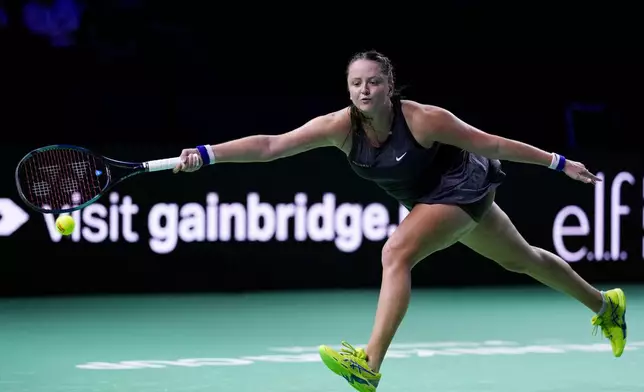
[(395, 255), (400, 253)]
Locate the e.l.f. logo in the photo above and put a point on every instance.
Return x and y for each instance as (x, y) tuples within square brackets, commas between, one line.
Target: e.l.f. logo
[(617, 210)]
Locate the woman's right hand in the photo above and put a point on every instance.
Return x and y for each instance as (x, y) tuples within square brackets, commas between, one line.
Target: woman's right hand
[(190, 161)]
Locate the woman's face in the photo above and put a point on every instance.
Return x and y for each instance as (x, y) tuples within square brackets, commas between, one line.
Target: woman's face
[(369, 88)]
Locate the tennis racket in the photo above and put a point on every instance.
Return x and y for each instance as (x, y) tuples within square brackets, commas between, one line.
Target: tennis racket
[(63, 178)]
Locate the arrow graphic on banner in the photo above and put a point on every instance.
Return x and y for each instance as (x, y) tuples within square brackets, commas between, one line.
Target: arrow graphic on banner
[(11, 217)]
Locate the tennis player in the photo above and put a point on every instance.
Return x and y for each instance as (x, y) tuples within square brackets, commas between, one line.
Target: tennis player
[(446, 173)]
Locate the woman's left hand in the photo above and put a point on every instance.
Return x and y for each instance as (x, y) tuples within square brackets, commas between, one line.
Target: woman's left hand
[(577, 171)]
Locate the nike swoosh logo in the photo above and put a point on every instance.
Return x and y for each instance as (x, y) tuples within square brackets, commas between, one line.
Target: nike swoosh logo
[(400, 157)]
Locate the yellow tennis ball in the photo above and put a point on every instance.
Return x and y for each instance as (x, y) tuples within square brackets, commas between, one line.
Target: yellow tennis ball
[(65, 224)]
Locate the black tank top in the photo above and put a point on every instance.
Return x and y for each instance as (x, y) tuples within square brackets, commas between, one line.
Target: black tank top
[(402, 167)]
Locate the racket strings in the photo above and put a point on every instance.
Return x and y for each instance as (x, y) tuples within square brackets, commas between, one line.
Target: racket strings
[(60, 178)]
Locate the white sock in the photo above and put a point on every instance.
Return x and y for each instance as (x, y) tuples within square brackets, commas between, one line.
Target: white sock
[(604, 304)]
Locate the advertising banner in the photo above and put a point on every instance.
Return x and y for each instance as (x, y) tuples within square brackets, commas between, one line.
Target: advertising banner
[(301, 222)]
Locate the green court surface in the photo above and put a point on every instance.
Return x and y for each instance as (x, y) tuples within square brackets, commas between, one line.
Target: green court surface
[(516, 339)]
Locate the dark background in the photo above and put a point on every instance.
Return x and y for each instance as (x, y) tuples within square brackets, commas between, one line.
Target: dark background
[(138, 80)]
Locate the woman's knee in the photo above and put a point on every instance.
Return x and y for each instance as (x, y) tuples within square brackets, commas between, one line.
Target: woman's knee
[(427, 229), (399, 253), (394, 254)]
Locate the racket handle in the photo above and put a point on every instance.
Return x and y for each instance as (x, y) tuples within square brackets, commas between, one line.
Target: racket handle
[(162, 164)]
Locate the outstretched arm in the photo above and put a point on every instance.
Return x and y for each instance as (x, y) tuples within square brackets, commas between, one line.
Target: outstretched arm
[(323, 131), (436, 124)]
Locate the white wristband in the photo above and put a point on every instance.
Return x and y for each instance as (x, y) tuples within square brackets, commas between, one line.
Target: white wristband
[(558, 162), (211, 153), (554, 161)]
